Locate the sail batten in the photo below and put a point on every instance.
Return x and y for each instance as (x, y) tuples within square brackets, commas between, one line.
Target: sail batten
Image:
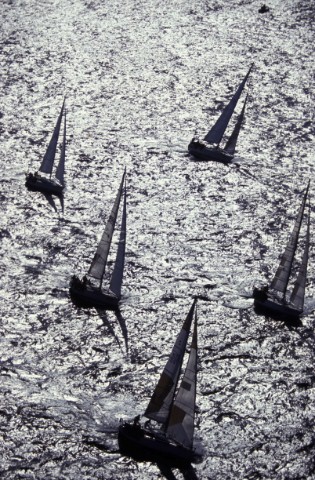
[(161, 401), (97, 268), (49, 157), (281, 278), (181, 421), (216, 133)]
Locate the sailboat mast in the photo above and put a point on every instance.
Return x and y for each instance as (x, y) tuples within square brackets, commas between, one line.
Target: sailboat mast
[(298, 293), (163, 395), (117, 275), (282, 276), (217, 131), (232, 141), (49, 157), (61, 165), (180, 425), (97, 268)]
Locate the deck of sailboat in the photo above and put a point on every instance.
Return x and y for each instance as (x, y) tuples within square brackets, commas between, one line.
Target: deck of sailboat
[(277, 309), (202, 152), (141, 444), (91, 296), (41, 184)]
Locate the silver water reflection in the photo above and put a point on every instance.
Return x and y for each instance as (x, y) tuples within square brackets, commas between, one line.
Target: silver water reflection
[(140, 77)]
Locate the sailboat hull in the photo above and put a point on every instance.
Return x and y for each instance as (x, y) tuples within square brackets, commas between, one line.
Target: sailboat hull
[(202, 152), (37, 183), (271, 307), (142, 445), (89, 296)]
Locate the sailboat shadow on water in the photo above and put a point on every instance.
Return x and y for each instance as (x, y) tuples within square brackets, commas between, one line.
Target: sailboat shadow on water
[(88, 292), (171, 408)]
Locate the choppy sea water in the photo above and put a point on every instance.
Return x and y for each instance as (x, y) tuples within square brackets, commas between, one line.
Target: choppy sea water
[(140, 78)]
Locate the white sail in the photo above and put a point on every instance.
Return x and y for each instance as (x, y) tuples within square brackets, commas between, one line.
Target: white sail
[(117, 275), (162, 398), (297, 297), (217, 131), (49, 157), (61, 165), (232, 141), (98, 264), (181, 421), (281, 278)]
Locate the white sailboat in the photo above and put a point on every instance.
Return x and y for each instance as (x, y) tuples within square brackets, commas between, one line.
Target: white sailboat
[(43, 183), (273, 299), (88, 291), (209, 148), (172, 408)]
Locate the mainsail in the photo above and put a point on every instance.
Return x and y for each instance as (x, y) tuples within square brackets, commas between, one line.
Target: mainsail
[(217, 131), (61, 165), (181, 421), (231, 143), (161, 401), (97, 268), (297, 297), (281, 278), (117, 275), (49, 157)]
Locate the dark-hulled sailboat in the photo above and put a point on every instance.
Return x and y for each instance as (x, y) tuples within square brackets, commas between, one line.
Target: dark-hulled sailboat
[(42, 183), (88, 291), (273, 299), (173, 409), (209, 148)]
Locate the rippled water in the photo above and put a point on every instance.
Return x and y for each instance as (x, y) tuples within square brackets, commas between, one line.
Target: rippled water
[(140, 78)]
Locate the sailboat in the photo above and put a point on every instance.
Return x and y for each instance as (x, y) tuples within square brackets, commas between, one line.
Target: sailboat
[(88, 291), (171, 408), (46, 184), (273, 299), (209, 148)]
